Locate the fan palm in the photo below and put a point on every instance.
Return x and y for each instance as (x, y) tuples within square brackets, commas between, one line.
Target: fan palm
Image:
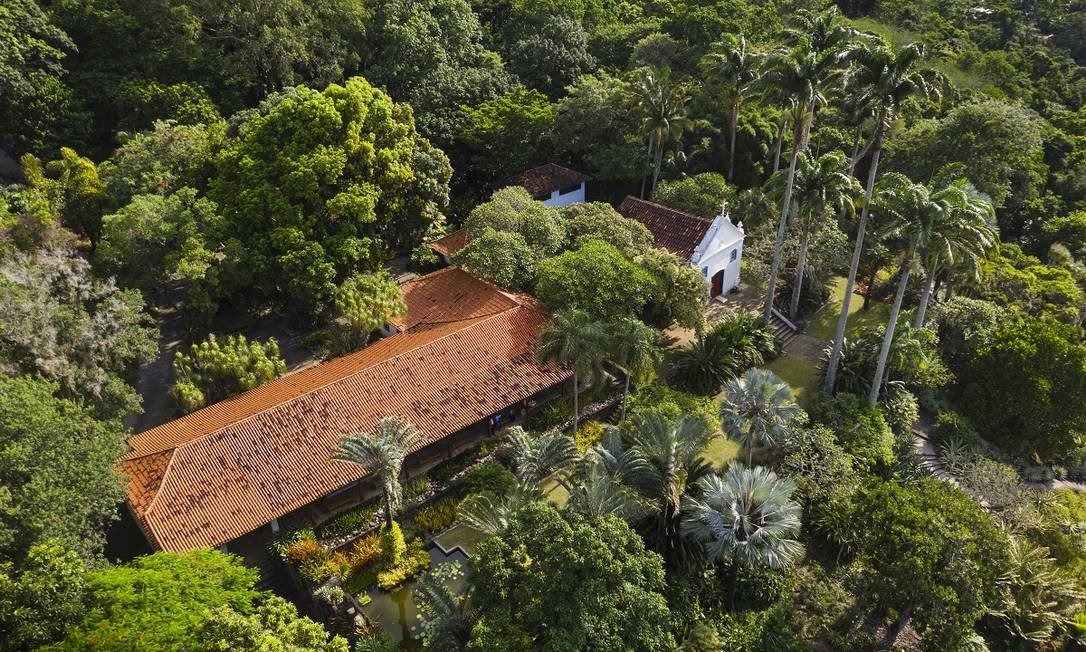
[(634, 347), (537, 458), (821, 185), (911, 216), (490, 514), (733, 67), (884, 78), (758, 410), (672, 453), (663, 114), (963, 234), (804, 75), (574, 339), (746, 515), (383, 453)]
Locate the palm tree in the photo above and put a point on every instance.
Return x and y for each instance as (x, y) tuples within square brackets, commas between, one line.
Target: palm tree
[(540, 457), (758, 410), (490, 514), (1037, 598), (803, 74), (733, 67), (383, 453), (911, 216), (663, 114), (599, 494), (960, 238), (821, 185), (746, 515), (671, 451), (573, 338), (704, 365), (884, 79), (633, 347)]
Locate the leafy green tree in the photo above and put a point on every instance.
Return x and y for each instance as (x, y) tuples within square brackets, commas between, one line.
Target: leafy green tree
[(1012, 278), (679, 291), (74, 189), (320, 185), (382, 453), (513, 210), (214, 370), (369, 301), (861, 429), (546, 50), (746, 516), (40, 598), (157, 238), (273, 625), (934, 557), (758, 410), (589, 584), (600, 221), (576, 340), (432, 55), (501, 257), (59, 321), (596, 124), (885, 79), (159, 601), (733, 68), (597, 278), (1026, 390), (701, 194), (509, 133)]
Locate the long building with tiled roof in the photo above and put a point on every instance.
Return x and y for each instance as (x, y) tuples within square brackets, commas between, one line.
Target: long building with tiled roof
[(465, 351)]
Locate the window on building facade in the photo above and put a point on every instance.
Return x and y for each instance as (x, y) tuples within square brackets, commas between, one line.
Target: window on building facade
[(735, 254)]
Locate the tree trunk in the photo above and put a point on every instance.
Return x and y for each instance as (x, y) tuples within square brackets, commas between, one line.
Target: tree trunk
[(797, 284), (895, 628), (388, 509), (782, 228), (780, 142), (855, 150), (576, 406), (656, 168), (850, 284), (625, 393), (644, 177), (733, 123), (891, 325), (925, 296)]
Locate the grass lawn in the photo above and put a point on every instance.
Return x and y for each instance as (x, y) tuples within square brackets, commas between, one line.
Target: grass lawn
[(555, 493), (801, 375), (824, 323), (462, 536), (720, 451)]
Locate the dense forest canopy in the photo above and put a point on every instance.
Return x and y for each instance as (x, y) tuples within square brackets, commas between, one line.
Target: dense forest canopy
[(177, 169)]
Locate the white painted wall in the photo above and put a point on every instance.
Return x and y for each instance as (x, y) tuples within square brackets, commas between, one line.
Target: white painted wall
[(716, 251), (574, 197)]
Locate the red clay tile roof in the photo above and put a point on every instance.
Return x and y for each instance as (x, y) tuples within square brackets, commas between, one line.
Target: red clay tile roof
[(540, 182), (678, 232), (451, 243), (223, 471)]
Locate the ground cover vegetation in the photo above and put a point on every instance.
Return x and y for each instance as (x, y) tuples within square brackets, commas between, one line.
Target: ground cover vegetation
[(222, 164)]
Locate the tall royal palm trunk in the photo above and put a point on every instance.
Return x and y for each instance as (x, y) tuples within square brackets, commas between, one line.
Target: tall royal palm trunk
[(853, 267), (782, 227), (891, 326), (625, 393), (656, 167), (780, 141), (925, 297), (644, 177), (733, 124), (576, 399), (797, 283)]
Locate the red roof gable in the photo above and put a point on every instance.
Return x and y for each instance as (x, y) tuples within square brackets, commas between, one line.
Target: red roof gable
[(540, 182), (468, 351), (678, 232), (451, 243)]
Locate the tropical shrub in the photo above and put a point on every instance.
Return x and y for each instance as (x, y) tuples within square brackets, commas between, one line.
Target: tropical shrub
[(416, 486), (669, 404), (352, 520), (588, 435), (214, 370), (438, 515), (549, 416), (489, 477), (446, 470), (737, 343), (412, 561), (758, 587), (901, 410), (950, 425), (365, 551), (861, 429)]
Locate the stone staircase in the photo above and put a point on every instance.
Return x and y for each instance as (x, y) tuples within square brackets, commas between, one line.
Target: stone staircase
[(784, 330)]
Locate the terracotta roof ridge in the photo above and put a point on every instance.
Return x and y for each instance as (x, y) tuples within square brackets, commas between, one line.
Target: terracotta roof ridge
[(158, 490), (668, 208)]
